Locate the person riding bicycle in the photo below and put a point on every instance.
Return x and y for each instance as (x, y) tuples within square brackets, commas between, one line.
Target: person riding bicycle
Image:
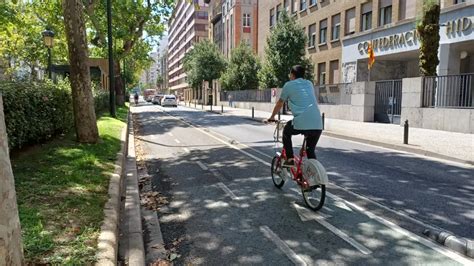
[(136, 97), (299, 93)]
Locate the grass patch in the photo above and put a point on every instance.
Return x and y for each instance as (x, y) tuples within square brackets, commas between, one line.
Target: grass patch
[(61, 190)]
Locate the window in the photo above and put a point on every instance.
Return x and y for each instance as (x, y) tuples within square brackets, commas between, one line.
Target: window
[(385, 14), (294, 6), (335, 27), (459, 1), (366, 17), (322, 73), (323, 29), (286, 4), (246, 21), (231, 32), (278, 12), (350, 21), (272, 17), (334, 72), (312, 35), (407, 9), (302, 5), (312, 2)]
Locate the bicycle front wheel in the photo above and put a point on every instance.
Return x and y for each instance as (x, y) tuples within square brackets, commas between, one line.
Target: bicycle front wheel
[(314, 197), (278, 181)]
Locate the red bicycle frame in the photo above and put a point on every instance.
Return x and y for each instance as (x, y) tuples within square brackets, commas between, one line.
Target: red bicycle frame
[(297, 173)]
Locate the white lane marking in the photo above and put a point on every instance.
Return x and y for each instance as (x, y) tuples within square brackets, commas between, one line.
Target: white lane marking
[(421, 240), (268, 233), (454, 163), (170, 134), (186, 150), (228, 191), (203, 167), (448, 253), (177, 141), (306, 215), (226, 143)]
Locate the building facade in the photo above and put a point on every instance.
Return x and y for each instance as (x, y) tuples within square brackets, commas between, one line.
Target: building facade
[(188, 25), (339, 33), (233, 22)]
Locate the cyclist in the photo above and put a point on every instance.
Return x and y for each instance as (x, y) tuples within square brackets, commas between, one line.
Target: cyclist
[(299, 93), (136, 97)]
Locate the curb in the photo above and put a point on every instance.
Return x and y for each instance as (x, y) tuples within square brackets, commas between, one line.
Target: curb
[(459, 244), (399, 147), (375, 143), (109, 231), (135, 253)]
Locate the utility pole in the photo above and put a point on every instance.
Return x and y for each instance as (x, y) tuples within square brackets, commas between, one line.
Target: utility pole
[(111, 60)]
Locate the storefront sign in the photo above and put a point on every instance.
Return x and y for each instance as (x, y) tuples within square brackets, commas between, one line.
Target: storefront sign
[(405, 38), (411, 37), (458, 25)]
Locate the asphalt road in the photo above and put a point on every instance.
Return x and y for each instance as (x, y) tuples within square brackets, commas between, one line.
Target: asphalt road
[(224, 209)]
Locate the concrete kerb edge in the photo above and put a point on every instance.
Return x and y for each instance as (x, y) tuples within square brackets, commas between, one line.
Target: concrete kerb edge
[(107, 242), (136, 255), (459, 244)]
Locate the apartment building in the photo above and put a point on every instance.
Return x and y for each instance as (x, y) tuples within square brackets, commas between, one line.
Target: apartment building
[(188, 25), (233, 22), (339, 33), (163, 72)]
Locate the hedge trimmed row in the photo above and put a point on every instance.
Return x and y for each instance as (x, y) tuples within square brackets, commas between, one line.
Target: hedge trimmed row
[(34, 112)]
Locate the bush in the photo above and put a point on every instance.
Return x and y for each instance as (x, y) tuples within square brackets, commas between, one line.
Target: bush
[(35, 112), (241, 72)]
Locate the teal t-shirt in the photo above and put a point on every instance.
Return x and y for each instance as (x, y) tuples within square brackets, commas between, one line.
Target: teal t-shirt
[(303, 104)]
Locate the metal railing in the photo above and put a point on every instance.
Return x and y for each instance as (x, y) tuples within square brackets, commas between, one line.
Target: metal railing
[(450, 91), (388, 101), (334, 93), (248, 96)]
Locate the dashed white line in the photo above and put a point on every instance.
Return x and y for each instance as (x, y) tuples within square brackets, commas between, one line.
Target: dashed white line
[(227, 191), (177, 141), (268, 233), (395, 227), (305, 214), (400, 230), (203, 167)]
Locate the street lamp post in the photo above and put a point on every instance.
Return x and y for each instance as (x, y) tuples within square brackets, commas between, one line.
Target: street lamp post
[(48, 38)]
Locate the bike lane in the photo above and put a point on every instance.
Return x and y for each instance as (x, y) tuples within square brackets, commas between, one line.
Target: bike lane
[(257, 223)]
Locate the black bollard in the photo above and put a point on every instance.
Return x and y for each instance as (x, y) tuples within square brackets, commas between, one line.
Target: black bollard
[(323, 117), (279, 116), (405, 132), (253, 113), (222, 108), (202, 106), (194, 104), (211, 107)]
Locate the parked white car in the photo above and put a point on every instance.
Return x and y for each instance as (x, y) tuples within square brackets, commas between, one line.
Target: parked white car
[(169, 100)]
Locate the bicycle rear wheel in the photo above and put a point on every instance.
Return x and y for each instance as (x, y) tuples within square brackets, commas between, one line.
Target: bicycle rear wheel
[(278, 181), (314, 197)]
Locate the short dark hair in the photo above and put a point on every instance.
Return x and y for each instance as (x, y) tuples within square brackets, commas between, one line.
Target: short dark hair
[(298, 71)]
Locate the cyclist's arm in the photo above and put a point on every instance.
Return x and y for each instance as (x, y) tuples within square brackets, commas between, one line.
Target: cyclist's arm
[(276, 109)]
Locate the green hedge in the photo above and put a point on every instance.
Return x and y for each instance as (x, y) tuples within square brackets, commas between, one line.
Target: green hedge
[(34, 112)]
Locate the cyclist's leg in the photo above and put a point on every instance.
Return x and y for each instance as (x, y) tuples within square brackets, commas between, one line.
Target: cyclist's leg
[(312, 138), (288, 131)]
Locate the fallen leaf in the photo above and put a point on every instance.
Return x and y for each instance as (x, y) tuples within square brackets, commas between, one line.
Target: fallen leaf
[(173, 256)]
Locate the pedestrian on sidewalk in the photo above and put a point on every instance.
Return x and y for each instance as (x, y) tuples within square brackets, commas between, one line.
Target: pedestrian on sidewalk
[(230, 100), (299, 93)]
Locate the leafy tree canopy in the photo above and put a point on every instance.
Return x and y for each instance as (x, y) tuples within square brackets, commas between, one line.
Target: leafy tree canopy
[(285, 48), (203, 63), (242, 70)]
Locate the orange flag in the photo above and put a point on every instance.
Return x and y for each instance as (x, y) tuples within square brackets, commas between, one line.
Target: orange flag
[(371, 54)]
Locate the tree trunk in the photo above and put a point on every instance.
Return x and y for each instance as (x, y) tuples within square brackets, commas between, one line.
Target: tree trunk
[(11, 252), (119, 88), (83, 101)]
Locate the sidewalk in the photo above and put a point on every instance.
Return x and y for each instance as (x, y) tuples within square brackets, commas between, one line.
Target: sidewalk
[(435, 143)]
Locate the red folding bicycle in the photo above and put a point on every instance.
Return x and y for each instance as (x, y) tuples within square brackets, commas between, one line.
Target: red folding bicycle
[(309, 174)]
